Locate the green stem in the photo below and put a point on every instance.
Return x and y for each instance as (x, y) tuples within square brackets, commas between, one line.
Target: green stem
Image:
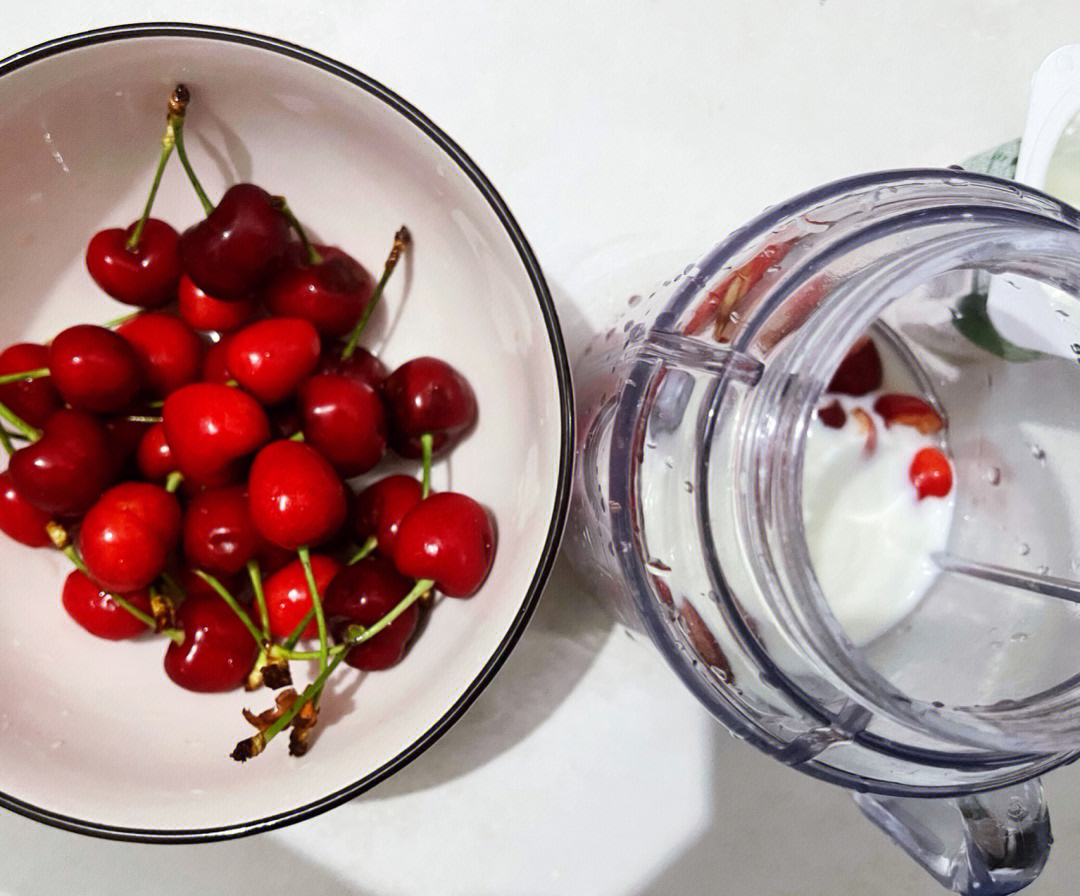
[(223, 592), (167, 144), (24, 375), (172, 483), (297, 436), (358, 634), (21, 425), (5, 441), (260, 596), (425, 448), (316, 605), (366, 548), (181, 96), (401, 240), (310, 251), (279, 650), (122, 319), (290, 642)]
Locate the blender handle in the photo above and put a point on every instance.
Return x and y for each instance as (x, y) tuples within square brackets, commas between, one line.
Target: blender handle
[(984, 843)]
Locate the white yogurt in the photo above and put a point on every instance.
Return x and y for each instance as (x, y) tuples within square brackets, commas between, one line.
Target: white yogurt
[(870, 538)]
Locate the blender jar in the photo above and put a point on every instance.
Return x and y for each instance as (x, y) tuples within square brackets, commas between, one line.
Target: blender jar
[(937, 697)]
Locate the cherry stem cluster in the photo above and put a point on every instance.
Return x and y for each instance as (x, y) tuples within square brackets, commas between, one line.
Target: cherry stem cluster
[(174, 122), (177, 116)]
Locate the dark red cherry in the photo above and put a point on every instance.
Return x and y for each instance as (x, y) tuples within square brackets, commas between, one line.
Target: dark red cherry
[(170, 351), (380, 507), (67, 469), (219, 536), (332, 294), (193, 585), (271, 358), (153, 456), (361, 365), (296, 497), (125, 539), (217, 651), (860, 372), (19, 519), (343, 419), (32, 400), (426, 395), (204, 312), (362, 594), (94, 369), (288, 598), (447, 537), (235, 249), (216, 362), (94, 609), (125, 432), (145, 276)]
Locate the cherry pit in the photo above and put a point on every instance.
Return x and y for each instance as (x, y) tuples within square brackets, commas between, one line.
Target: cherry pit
[(210, 463)]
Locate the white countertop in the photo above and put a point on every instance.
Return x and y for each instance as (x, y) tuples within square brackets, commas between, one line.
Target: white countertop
[(626, 137)]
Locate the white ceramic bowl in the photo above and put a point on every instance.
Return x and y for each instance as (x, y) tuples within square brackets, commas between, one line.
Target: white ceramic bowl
[(93, 736)]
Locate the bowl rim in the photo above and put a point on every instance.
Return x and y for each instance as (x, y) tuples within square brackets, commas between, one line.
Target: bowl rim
[(566, 447)]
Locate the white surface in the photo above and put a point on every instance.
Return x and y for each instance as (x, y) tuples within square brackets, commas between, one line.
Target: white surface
[(584, 768)]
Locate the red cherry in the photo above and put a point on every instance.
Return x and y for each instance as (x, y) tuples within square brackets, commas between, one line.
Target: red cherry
[(19, 519), (832, 415), (170, 351), (361, 365), (219, 535), (343, 419), (126, 537), (332, 294), (362, 594), (216, 362), (145, 276), (860, 372), (908, 410), (209, 427), (930, 473), (204, 312), (296, 497), (32, 400), (447, 537), (67, 469), (426, 395), (94, 369), (194, 585), (380, 507), (153, 456), (235, 249), (124, 435), (288, 599), (94, 609), (271, 358), (217, 651)]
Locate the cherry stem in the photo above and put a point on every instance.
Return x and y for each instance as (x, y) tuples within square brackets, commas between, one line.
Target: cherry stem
[(297, 436), (5, 441), (310, 251), (175, 118), (178, 116), (21, 425), (122, 319), (366, 548), (290, 642), (172, 482), (140, 418), (224, 594), (316, 604), (425, 448), (23, 375), (401, 241), (260, 597)]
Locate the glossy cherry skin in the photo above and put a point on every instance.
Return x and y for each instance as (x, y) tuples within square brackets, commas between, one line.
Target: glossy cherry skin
[(271, 358), (194, 585), (447, 537), (67, 469), (219, 536), (94, 369), (209, 427), (362, 594), (153, 456), (288, 599), (146, 276), (343, 419), (125, 539), (216, 362), (235, 249), (931, 473), (296, 497), (860, 372), (170, 351), (19, 519), (32, 400), (426, 395), (95, 610), (379, 509), (217, 651), (361, 365), (204, 312), (332, 294)]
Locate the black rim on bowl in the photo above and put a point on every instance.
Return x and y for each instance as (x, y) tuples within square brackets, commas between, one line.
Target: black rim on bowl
[(566, 444)]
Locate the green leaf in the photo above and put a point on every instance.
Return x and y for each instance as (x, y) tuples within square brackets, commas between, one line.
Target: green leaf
[(970, 317)]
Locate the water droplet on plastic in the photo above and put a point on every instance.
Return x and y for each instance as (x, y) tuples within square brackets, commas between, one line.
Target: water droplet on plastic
[(1038, 453), (1016, 810), (634, 299), (1024, 549), (689, 486), (993, 475), (1042, 570), (1019, 636)]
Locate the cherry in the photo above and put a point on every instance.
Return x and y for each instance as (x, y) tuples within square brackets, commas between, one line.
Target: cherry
[(832, 415), (94, 609), (426, 395), (860, 372), (125, 539), (362, 594), (271, 358), (146, 275), (217, 651), (908, 410), (19, 519), (194, 585), (930, 473), (361, 365), (210, 427), (94, 369), (296, 497), (125, 433), (170, 351), (216, 362), (380, 507), (64, 471), (219, 535), (447, 537), (238, 246), (332, 293), (32, 400), (204, 312), (288, 598), (343, 418), (153, 456)]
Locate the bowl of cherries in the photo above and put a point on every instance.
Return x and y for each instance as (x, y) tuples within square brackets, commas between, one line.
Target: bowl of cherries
[(286, 430)]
